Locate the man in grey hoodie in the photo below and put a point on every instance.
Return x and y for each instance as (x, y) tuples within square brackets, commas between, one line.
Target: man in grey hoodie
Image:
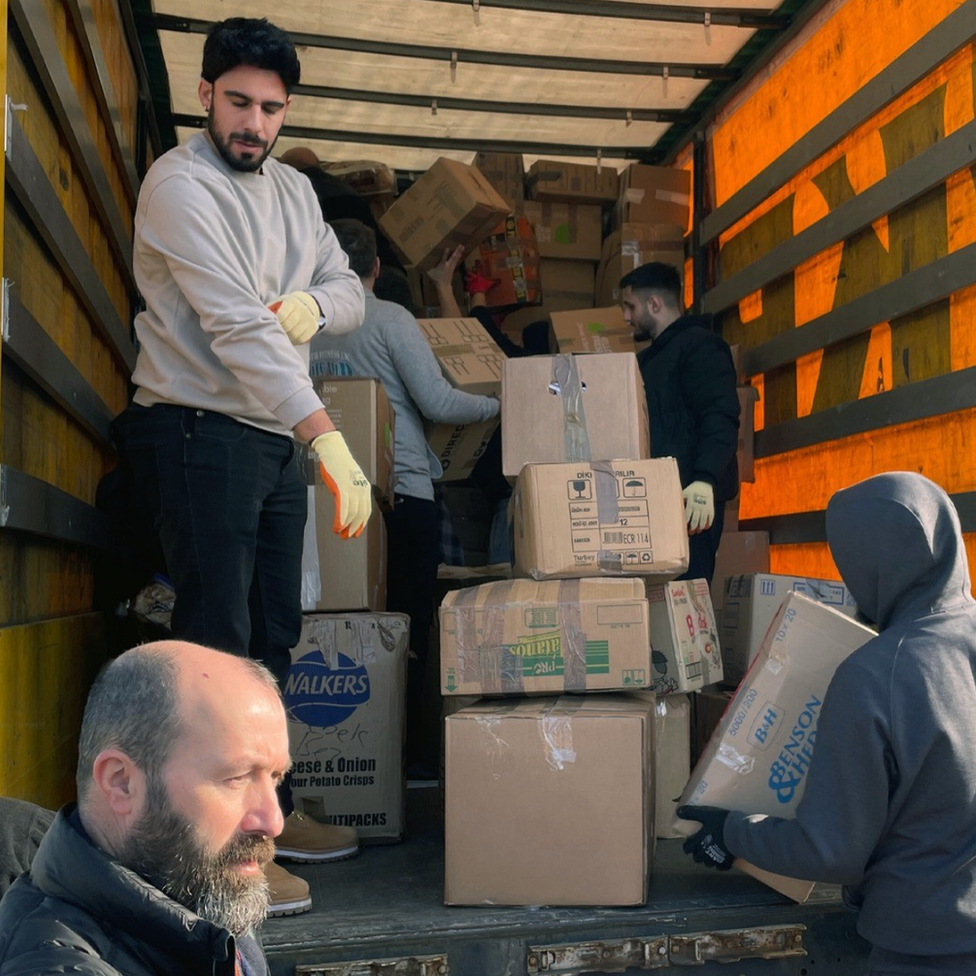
[(890, 804), (390, 346)]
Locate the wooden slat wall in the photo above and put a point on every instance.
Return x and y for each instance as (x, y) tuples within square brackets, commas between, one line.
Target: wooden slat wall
[(50, 643)]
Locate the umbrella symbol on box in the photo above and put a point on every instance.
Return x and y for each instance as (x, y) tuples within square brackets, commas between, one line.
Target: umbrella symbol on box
[(635, 488)]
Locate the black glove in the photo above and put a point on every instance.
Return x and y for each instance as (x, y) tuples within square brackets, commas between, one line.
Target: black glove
[(707, 846)]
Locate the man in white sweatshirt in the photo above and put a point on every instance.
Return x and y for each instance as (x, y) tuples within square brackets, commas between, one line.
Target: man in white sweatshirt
[(238, 272)]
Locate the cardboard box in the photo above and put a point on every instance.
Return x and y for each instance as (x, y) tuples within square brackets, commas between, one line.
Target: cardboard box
[(581, 407), (566, 231), (345, 697), (746, 446), (632, 245), (770, 726), (450, 204), (568, 285), (509, 257), (472, 362), (341, 574), (522, 637), (750, 604), (654, 195), (590, 330), (549, 180), (516, 830), (739, 553), (361, 411), (506, 173), (708, 706), (672, 761), (685, 651), (600, 518), (366, 176)]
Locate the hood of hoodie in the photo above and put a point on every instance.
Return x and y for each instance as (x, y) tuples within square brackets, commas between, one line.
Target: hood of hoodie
[(897, 543)]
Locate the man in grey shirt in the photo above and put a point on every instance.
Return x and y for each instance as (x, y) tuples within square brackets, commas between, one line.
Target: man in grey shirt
[(391, 347)]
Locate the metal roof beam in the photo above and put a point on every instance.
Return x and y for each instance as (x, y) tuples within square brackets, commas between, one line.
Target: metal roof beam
[(542, 62), (434, 142), (665, 13), (666, 116)]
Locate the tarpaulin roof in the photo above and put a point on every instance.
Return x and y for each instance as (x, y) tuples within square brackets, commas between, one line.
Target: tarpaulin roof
[(407, 81)]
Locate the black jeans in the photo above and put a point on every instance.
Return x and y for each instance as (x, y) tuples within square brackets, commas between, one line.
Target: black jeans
[(229, 503), (413, 555)]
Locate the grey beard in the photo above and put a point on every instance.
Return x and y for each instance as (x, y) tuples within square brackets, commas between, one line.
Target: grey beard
[(239, 912)]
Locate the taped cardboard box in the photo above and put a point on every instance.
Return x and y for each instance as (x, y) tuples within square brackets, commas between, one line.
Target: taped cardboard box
[(550, 180), (472, 362), (758, 758), (344, 695), (568, 285), (366, 176), (739, 553), (600, 518), (341, 574), (567, 231), (521, 637), (685, 651), (632, 245), (582, 407), (508, 256), (590, 330), (654, 195), (750, 604), (672, 761), (506, 173), (708, 706), (449, 205), (360, 409), (516, 832)]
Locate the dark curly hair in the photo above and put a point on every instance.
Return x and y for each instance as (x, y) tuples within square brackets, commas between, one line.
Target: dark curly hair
[(254, 42)]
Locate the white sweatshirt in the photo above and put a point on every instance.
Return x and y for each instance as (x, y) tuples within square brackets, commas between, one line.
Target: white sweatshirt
[(213, 248)]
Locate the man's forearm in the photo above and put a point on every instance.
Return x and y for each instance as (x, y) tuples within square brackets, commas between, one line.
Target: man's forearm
[(314, 424)]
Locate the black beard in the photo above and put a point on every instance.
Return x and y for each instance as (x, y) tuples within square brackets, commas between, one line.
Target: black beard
[(163, 848), (262, 149)]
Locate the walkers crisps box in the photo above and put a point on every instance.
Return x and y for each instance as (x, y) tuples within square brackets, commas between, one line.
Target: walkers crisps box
[(685, 651), (520, 637), (345, 697), (750, 603), (758, 757), (600, 518), (580, 407), (566, 231), (590, 330), (550, 801), (451, 204), (472, 362)]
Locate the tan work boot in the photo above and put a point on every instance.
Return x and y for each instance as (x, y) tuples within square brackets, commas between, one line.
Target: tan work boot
[(305, 839), (289, 893)]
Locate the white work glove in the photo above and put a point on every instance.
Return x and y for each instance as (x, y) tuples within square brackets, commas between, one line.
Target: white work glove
[(298, 314), (699, 506), (345, 479)]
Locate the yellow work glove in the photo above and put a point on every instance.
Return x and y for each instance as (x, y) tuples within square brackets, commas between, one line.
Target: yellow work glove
[(345, 479), (298, 314), (699, 506)]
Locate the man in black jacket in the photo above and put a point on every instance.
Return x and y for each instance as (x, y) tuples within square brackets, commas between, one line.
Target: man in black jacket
[(158, 869), (689, 380)]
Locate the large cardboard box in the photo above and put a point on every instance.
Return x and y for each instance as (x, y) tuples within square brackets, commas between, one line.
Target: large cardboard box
[(361, 411), (739, 553), (520, 637), (449, 205), (590, 330), (750, 604), (654, 195), (600, 518), (581, 408), (672, 761), (568, 284), (341, 574), (505, 172), (567, 231), (549, 180), (366, 176), (549, 802), (345, 695), (632, 245), (508, 256), (770, 727), (472, 362), (708, 706), (685, 651)]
